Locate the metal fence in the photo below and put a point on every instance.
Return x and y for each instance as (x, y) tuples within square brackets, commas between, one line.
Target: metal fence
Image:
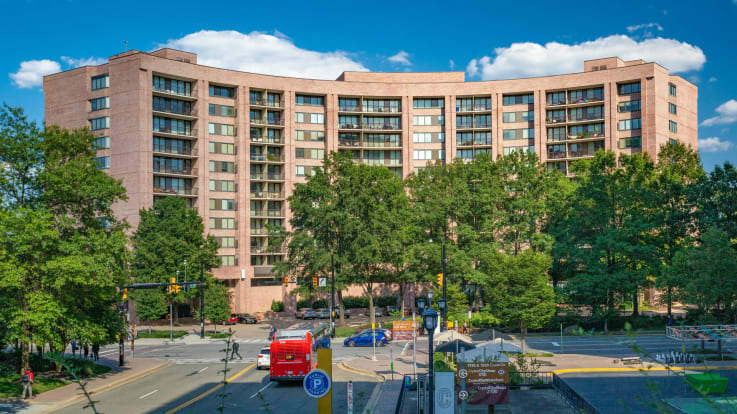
[(528, 379), (572, 397)]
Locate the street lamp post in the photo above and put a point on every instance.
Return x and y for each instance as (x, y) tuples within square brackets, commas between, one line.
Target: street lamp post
[(430, 321), (442, 307), (430, 295)]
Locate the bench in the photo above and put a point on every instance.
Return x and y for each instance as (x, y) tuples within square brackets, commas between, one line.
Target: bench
[(631, 360)]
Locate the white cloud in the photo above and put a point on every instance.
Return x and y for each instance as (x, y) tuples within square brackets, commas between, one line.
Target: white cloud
[(727, 114), (713, 79), (637, 27), (713, 144), (263, 53), (533, 59), (694, 79), (452, 64), (90, 61), (31, 72), (402, 57)]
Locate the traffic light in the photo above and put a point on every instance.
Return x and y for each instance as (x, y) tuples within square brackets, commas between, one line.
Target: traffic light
[(440, 279), (125, 294), (314, 282), (173, 288), (286, 281)]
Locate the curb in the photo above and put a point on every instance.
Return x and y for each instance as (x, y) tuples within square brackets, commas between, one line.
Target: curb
[(69, 401), (373, 399), (359, 371)]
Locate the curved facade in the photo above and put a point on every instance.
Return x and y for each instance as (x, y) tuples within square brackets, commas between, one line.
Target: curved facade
[(235, 144)]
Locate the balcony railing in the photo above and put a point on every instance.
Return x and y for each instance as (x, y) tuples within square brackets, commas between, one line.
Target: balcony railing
[(587, 135), (592, 117), (179, 191), (171, 149), (465, 125), (482, 107), (349, 108), (383, 109), (555, 120), (554, 102), (553, 138), (596, 98), (381, 126), (258, 231), (274, 176), (184, 133), (349, 126), (555, 155), (584, 152), (378, 144), (167, 109), (274, 213), (274, 140), (180, 171), (273, 121), (482, 124), (192, 93), (267, 157), (265, 102), (257, 213), (349, 143), (474, 143), (257, 176)]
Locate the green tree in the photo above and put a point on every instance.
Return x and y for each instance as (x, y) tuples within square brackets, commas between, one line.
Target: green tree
[(517, 289), (217, 302), (710, 273), (715, 199), (63, 251), (169, 233)]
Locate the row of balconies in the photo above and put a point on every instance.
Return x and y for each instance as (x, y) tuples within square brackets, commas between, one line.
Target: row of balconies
[(267, 176), (271, 195), (578, 101), (369, 144), (562, 119), (267, 213), (256, 138), (382, 127), (267, 121), (383, 110), (267, 157)]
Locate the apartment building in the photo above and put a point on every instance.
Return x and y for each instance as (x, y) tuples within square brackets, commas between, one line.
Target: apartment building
[(235, 144)]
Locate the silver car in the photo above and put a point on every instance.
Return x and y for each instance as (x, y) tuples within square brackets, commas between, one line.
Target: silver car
[(323, 313), (306, 313)]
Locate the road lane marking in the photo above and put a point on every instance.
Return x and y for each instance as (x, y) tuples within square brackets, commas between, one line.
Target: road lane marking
[(146, 395), (200, 371), (404, 350), (555, 344), (265, 387), (210, 391), (163, 349)]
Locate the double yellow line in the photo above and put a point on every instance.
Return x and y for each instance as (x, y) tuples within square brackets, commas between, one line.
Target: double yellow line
[(210, 391)]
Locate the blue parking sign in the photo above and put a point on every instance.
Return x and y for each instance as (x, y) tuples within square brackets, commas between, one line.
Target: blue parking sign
[(317, 383)]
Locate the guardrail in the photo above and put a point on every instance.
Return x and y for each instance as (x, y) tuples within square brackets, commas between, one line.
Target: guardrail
[(578, 403), (529, 379)]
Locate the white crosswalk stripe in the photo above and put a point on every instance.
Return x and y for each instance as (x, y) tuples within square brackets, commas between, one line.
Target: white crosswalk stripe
[(189, 361)]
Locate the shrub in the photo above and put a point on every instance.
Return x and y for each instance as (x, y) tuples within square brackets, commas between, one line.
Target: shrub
[(322, 303), (277, 306), (304, 303)]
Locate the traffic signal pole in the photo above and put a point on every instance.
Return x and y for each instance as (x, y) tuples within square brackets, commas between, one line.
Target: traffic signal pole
[(332, 298), (445, 315), (202, 300)]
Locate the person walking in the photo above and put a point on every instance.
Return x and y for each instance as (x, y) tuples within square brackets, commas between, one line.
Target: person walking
[(236, 348), (74, 348), (86, 350), (27, 380), (272, 332), (465, 327), (95, 352)]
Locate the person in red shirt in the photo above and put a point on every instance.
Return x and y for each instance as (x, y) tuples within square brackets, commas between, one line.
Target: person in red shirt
[(27, 380)]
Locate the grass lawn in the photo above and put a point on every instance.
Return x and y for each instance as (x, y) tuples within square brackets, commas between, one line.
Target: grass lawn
[(344, 332), (160, 334), (216, 335), (10, 385)]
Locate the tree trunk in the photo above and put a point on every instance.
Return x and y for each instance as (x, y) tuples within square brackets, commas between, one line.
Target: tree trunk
[(635, 304), (606, 325), (371, 304), (25, 342), (400, 306), (342, 309), (523, 331), (476, 298), (669, 298)]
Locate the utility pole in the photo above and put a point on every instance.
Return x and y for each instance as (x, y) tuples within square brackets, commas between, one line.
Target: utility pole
[(445, 315), (202, 299), (332, 297)]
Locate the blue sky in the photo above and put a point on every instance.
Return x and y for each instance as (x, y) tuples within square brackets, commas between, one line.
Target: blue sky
[(487, 40)]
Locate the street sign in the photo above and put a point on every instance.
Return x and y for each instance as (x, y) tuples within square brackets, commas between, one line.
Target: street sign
[(486, 383), (350, 397), (317, 383), (323, 282), (462, 395)]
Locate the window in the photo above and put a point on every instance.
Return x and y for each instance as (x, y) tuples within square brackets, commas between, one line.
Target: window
[(672, 126), (222, 110), (300, 171), (100, 123), (672, 89), (586, 131), (172, 146), (523, 116), (423, 155), (482, 138), (519, 99), (102, 163), (557, 134), (423, 103), (628, 88), (585, 95), (310, 100), (556, 98), (221, 129), (482, 104), (172, 165), (222, 91), (627, 124), (316, 136), (101, 143), (348, 122), (381, 105), (629, 106), (672, 108), (672, 141), (226, 186), (422, 137), (222, 166), (348, 105), (555, 116), (172, 126), (173, 86), (172, 185), (100, 103), (509, 150), (584, 114), (100, 82), (309, 153), (222, 223), (526, 133), (226, 242), (308, 118), (632, 142), (222, 148), (222, 204), (422, 120)]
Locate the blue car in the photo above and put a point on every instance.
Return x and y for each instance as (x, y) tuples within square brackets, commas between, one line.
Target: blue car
[(366, 339)]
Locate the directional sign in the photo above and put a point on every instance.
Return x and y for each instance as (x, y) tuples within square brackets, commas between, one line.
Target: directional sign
[(317, 383), (322, 282), (462, 395)]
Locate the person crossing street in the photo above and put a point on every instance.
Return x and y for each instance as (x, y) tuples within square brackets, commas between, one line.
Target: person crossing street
[(236, 347)]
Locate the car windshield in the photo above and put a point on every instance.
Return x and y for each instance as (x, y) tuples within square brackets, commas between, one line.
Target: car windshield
[(265, 351)]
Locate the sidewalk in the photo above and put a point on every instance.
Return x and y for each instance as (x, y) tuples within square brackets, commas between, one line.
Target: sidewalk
[(69, 394)]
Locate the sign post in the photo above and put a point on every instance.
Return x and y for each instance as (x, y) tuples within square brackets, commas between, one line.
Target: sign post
[(317, 384), (349, 400), (486, 383), (325, 362)]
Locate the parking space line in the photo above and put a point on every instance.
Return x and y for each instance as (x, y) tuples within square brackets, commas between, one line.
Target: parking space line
[(146, 395), (200, 371), (265, 387)]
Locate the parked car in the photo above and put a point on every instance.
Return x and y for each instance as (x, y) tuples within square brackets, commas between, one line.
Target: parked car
[(305, 313), (377, 312), (366, 339), (247, 318), (323, 313), (346, 312), (264, 358), (232, 320), (385, 331)]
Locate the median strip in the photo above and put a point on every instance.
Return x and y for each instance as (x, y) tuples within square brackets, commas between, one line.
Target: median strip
[(210, 391)]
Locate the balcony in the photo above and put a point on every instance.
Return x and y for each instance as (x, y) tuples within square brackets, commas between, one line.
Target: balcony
[(583, 152), (261, 231), (165, 92), (192, 134), (384, 144), (257, 213), (587, 135), (556, 155), (382, 127), (587, 118), (274, 176), (175, 191), (271, 195), (556, 102), (349, 108), (174, 150), (166, 110), (268, 121), (349, 143), (175, 171), (591, 99), (265, 102), (274, 213), (257, 176), (464, 125), (482, 125), (555, 120), (479, 108), (267, 157), (381, 110), (474, 143), (349, 126)]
